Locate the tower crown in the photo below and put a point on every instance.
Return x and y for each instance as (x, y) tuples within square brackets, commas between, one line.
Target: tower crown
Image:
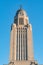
[(21, 17), (21, 12)]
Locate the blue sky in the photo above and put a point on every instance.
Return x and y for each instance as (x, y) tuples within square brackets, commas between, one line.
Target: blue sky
[(34, 9)]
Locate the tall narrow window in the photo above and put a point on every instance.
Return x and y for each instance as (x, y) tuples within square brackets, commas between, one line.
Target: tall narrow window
[(21, 21)]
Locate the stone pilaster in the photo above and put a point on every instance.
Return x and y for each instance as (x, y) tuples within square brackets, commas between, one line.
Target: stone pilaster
[(11, 46), (30, 45)]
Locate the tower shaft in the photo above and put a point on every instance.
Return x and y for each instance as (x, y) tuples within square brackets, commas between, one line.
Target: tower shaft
[(21, 45)]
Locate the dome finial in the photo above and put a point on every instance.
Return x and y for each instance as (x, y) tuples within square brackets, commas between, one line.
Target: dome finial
[(20, 7)]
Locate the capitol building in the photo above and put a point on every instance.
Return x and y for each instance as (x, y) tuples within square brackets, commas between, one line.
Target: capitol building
[(21, 43)]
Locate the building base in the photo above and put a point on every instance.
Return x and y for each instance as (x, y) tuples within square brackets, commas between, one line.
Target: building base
[(23, 63)]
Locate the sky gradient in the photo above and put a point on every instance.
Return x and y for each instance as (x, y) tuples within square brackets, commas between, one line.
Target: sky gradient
[(34, 10)]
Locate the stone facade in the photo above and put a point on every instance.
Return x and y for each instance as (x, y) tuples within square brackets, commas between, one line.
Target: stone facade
[(21, 45)]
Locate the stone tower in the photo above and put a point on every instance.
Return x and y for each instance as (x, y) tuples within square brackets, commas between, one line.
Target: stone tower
[(21, 46)]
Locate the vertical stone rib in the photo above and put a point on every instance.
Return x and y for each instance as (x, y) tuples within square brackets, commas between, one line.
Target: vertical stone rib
[(28, 41), (22, 43), (30, 47), (11, 46), (26, 46), (15, 35), (21, 48), (18, 43)]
